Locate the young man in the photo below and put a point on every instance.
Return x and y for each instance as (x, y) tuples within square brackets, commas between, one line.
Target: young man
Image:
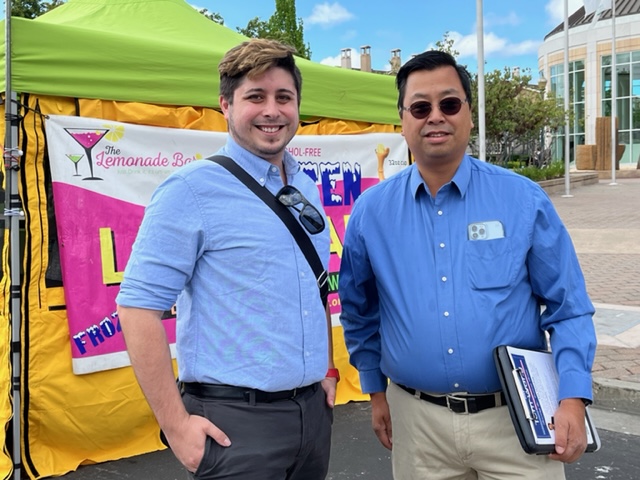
[(253, 338), (443, 262)]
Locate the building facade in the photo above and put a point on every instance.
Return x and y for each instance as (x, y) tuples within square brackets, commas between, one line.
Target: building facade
[(590, 75)]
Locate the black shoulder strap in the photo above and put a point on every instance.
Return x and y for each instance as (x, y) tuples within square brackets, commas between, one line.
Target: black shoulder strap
[(304, 242)]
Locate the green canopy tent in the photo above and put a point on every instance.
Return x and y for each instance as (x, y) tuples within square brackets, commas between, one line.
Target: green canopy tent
[(165, 52), (157, 53)]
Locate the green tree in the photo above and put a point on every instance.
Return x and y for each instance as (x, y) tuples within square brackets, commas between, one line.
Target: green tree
[(213, 16), (446, 45), (283, 26), (32, 8), (516, 116)]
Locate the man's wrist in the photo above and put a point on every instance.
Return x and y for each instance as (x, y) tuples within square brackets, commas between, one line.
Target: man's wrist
[(333, 373)]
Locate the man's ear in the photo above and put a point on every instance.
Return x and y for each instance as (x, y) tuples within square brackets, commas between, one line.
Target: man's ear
[(224, 105)]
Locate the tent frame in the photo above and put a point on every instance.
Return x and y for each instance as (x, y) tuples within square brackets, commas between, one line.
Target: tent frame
[(12, 214)]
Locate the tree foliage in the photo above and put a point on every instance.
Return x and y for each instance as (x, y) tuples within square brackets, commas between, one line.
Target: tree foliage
[(213, 16), (517, 116), (32, 8), (283, 26), (446, 45)]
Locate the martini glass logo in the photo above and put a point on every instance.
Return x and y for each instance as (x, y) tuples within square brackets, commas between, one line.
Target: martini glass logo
[(87, 138), (75, 158)]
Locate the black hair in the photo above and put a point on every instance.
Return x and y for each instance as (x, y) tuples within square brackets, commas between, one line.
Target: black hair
[(430, 60)]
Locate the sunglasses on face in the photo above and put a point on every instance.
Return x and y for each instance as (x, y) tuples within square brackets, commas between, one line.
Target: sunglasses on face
[(422, 109), (309, 216)]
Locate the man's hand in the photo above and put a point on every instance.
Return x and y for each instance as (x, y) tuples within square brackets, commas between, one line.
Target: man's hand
[(571, 434), (187, 439), (329, 385), (381, 419)]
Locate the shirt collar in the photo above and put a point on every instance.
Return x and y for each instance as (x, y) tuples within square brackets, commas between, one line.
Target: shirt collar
[(461, 178), (256, 166)]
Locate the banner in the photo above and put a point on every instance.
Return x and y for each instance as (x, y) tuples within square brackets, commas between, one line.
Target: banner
[(597, 7), (103, 174), (591, 6)]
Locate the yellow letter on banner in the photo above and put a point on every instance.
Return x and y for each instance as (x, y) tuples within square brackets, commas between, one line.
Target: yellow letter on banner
[(336, 243), (108, 257)]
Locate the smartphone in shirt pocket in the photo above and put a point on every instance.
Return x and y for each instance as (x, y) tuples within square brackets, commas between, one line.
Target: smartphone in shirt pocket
[(488, 230)]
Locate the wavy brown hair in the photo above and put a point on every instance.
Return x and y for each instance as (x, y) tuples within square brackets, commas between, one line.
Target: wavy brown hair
[(253, 58)]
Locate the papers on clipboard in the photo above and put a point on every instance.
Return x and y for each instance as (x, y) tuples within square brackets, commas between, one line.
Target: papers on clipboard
[(530, 384)]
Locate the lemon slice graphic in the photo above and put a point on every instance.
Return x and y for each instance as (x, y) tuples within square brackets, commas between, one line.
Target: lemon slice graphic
[(116, 132)]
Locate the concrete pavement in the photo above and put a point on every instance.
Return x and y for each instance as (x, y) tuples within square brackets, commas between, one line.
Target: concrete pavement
[(604, 223)]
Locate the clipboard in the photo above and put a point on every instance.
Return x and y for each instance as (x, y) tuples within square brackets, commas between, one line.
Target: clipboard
[(530, 384)]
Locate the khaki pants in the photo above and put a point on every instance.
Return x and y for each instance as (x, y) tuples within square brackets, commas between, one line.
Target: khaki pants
[(431, 442)]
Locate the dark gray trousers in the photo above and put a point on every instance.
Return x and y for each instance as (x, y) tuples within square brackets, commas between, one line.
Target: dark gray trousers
[(282, 440)]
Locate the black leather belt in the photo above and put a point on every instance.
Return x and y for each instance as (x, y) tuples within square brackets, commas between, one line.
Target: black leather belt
[(460, 403), (230, 392)]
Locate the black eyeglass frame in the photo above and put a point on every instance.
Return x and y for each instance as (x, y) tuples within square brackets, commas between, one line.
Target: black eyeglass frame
[(310, 218), (449, 106)]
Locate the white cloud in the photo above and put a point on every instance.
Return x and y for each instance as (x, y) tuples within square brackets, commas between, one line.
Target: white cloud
[(337, 60), (328, 14), (467, 45), (555, 10)]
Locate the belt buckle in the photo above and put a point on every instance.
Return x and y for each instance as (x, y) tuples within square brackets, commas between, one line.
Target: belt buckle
[(452, 401)]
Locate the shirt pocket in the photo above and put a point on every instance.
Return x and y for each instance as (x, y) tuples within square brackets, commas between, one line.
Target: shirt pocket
[(490, 263)]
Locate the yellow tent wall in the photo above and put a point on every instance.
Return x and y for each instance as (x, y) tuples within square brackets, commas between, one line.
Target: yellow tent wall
[(69, 420)]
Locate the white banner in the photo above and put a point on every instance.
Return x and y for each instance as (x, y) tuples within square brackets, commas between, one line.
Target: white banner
[(598, 6), (103, 174)]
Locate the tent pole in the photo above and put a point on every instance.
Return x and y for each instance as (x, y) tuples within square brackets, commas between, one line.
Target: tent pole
[(12, 215)]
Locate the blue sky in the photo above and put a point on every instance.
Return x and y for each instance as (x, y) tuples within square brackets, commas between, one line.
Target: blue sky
[(514, 29)]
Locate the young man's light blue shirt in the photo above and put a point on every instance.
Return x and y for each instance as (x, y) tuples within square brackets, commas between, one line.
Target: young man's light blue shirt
[(249, 308), (424, 303)]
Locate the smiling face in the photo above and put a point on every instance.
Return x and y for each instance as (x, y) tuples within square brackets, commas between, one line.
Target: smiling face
[(437, 141), (263, 116)]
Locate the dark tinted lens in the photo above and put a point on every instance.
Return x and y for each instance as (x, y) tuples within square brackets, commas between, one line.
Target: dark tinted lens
[(420, 110), (450, 106), (312, 219)]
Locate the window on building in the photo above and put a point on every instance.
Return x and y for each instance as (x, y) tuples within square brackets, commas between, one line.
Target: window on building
[(576, 106), (627, 100)]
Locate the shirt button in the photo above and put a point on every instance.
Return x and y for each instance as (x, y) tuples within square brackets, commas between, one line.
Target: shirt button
[(305, 313), (456, 385), (450, 351), (440, 212), (442, 245), (274, 169), (262, 180), (302, 274), (444, 279), (446, 314)]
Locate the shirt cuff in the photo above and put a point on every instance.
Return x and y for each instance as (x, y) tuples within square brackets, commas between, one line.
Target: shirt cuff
[(576, 385), (373, 381)]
